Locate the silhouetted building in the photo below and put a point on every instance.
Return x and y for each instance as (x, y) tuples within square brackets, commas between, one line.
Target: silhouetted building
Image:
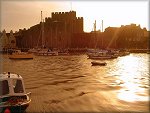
[(132, 36), (7, 40), (65, 30), (110, 37), (58, 31)]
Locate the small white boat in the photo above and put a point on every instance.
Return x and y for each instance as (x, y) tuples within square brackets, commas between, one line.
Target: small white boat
[(17, 54), (94, 63), (47, 52), (13, 97), (63, 52), (33, 50), (101, 55)]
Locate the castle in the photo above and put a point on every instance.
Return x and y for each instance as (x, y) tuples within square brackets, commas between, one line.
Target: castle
[(58, 31)]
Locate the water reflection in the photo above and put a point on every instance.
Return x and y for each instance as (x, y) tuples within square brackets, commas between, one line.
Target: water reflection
[(130, 74), (71, 84)]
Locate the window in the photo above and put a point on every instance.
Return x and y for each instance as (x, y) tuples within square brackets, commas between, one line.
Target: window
[(17, 84), (4, 88)]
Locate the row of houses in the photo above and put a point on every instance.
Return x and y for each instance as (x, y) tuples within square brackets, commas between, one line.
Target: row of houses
[(7, 40), (128, 37)]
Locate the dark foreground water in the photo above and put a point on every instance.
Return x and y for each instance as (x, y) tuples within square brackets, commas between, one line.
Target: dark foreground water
[(71, 84)]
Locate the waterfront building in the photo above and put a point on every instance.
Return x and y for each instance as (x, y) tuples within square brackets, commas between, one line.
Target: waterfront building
[(58, 31), (12, 40), (7, 40), (146, 39), (0, 41), (64, 30), (131, 36), (110, 37), (4, 42)]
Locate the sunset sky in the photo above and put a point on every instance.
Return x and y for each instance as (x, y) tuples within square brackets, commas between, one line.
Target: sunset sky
[(19, 14)]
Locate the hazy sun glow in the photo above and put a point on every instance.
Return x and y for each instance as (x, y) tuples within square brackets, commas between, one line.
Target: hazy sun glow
[(113, 13)]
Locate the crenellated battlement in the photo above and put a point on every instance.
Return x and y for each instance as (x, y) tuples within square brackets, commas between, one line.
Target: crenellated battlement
[(47, 19), (79, 18), (63, 15), (58, 28), (60, 13)]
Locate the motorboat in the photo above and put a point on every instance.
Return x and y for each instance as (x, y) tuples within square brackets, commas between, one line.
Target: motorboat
[(17, 54), (101, 55), (63, 52), (43, 50), (94, 63), (33, 50), (13, 97), (123, 52), (47, 52)]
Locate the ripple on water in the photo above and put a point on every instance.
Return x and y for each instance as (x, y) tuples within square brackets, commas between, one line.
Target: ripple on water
[(62, 83)]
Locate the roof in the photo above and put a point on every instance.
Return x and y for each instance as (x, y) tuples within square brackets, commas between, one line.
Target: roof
[(8, 34), (9, 75)]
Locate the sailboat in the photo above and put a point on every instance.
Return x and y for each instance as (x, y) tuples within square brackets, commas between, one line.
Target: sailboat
[(99, 54), (17, 54), (45, 51)]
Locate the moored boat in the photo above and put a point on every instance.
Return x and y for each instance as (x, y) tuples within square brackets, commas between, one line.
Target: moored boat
[(46, 52), (63, 52), (33, 50), (101, 55), (13, 97), (20, 55)]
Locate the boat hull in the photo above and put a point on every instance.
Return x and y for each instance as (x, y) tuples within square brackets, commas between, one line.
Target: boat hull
[(28, 56), (98, 63), (18, 108), (100, 57)]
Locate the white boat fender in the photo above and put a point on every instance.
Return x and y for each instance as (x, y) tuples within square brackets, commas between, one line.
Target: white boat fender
[(8, 75)]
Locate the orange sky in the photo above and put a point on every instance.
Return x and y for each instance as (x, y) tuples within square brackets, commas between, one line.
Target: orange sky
[(21, 14)]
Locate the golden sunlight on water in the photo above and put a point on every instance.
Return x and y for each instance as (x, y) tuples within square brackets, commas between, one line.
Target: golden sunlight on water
[(71, 84), (132, 90)]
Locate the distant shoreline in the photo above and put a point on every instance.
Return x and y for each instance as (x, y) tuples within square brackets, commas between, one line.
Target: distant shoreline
[(78, 51)]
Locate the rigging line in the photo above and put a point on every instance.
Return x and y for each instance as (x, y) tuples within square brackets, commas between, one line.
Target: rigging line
[(41, 32), (43, 37), (38, 40), (71, 5)]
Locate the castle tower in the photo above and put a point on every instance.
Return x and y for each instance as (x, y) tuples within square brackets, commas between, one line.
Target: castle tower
[(64, 25)]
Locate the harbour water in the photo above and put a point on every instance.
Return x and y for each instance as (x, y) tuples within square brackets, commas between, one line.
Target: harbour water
[(71, 84)]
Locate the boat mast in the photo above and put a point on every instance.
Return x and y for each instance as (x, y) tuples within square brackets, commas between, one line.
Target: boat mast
[(102, 25), (102, 32), (95, 34), (42, 30)]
